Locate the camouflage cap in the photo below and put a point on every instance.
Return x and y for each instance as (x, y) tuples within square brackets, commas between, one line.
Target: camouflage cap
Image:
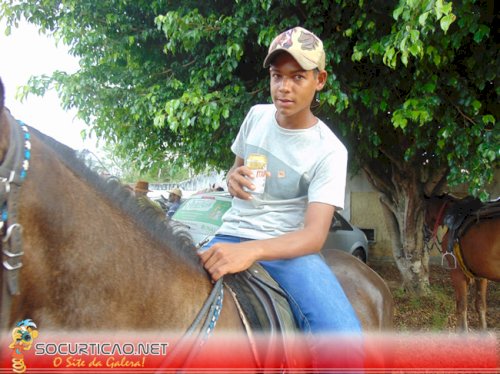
[(305, 47)]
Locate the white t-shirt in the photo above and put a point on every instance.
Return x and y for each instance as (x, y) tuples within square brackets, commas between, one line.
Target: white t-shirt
[(306, 165)]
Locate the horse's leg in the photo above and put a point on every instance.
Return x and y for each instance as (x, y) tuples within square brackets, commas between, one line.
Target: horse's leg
[(460, 286), (481, 290)]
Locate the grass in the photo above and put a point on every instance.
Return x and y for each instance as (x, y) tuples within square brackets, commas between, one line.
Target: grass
[(425, 313), (436, 312)]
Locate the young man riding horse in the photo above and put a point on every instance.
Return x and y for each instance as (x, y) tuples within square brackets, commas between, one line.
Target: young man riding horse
[(285, 227)]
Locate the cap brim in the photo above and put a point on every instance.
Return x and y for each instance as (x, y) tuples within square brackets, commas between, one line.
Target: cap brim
[(271, 56), (303, 62)]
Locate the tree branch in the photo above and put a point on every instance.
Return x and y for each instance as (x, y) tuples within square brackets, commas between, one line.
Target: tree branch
[(462, 113), (436, 181), (378, 179)]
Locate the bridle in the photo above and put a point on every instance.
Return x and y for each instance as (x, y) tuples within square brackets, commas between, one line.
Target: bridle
[(13, 171), (439, 220), (446, 255), (430, 236)]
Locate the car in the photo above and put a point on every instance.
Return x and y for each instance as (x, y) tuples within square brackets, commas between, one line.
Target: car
[(345, 236), (202, 215)]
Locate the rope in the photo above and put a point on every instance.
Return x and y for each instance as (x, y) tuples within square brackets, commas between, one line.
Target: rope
[(211, 311)]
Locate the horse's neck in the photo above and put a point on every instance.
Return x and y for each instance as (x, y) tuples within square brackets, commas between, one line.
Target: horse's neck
[(98, 268)]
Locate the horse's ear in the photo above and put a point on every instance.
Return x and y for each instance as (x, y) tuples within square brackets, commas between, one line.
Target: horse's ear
[(1, 95)]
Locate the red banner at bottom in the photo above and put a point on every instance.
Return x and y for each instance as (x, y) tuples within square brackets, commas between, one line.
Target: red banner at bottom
[(168, 352)]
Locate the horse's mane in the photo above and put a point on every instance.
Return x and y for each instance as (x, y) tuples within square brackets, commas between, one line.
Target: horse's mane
[(145, 216)]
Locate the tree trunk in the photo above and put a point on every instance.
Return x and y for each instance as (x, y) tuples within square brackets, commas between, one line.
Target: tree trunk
[(402, 199), (408, 248)]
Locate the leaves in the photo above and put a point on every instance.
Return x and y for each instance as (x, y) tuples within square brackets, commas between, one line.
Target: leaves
[(168, 83), (446, 21)]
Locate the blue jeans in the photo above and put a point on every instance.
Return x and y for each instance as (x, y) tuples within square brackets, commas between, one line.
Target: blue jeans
[(316, 298)]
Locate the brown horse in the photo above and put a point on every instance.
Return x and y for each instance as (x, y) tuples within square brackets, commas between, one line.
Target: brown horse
[(91, 258), (470, 246)]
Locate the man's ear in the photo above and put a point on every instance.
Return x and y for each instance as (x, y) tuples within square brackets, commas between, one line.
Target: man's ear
[(322, 75)]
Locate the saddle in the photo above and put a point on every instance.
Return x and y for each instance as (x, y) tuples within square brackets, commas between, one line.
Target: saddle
[(263, 307), (464, 214), (456, 216)]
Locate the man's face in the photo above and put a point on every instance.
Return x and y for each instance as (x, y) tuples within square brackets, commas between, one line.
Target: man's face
[(293, 88)]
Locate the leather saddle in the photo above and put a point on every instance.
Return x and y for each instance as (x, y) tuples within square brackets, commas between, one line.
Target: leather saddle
[(466, 212), (264, 308)]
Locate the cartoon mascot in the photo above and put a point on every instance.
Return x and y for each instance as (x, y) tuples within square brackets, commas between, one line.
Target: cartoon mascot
[(22, 339)]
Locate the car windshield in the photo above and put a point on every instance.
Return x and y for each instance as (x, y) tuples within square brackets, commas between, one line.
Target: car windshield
[(203, 214)]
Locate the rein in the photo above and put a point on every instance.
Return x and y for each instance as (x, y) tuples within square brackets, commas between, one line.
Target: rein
[(210, 312), (434, 239), (439, 220), (13, 171)]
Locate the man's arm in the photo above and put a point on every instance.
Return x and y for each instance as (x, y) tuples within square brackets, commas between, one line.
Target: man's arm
[(227, 258)]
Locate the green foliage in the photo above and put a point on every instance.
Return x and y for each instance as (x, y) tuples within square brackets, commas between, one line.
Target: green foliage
[(411, 90)]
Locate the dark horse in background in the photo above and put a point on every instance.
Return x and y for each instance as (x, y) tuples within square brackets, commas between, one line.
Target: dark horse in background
[(89, 258), (470, 247)]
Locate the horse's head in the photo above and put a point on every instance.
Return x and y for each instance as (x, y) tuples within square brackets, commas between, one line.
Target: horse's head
[(4, 138), (435, 209), (2, 98)]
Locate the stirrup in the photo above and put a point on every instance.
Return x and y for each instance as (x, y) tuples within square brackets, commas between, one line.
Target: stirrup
[(445, 264)]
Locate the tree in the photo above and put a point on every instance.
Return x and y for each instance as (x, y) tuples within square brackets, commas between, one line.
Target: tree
[(412, 87)]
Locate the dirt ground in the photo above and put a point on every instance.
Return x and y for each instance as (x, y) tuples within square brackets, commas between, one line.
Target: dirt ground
[(436, 312)]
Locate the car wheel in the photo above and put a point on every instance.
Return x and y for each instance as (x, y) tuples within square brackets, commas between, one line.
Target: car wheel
[(360, 253)]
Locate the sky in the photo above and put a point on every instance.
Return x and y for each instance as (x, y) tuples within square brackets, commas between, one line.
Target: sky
[(25, 53)]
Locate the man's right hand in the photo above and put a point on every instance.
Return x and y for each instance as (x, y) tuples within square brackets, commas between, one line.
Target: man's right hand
[(228, 258), (240, 176)]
